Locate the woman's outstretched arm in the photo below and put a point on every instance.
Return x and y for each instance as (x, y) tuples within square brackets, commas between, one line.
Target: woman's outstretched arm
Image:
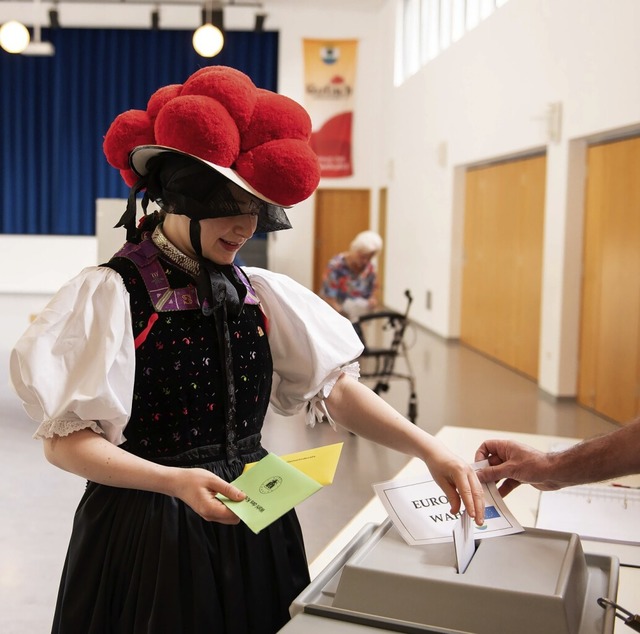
[(360, 410)]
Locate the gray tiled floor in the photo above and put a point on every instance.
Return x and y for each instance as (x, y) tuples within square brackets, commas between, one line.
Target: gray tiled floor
[(456, 386)]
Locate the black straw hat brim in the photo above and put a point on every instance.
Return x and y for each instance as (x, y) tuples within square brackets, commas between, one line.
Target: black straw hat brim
[(142, 154)]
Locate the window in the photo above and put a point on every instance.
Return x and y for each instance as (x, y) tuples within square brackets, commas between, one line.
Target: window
[(429, 30), (428, 27)]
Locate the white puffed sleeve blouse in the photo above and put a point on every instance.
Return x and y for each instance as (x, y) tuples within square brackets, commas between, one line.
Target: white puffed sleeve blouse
[(74, 367)]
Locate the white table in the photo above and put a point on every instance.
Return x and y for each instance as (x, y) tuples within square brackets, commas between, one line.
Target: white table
[(523, 503)]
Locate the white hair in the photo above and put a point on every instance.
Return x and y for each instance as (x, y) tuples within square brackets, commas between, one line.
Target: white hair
[(366, 242)]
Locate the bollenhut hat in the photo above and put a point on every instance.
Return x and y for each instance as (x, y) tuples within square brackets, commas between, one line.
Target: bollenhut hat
[(255, 138)]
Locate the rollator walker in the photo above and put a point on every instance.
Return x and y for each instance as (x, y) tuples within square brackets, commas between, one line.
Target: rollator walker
[(383, 336)]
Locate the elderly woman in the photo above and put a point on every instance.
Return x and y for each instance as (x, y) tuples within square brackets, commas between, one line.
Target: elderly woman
[(350, 281)]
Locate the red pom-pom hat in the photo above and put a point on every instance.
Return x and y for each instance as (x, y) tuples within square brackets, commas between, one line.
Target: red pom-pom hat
[(257, 139)]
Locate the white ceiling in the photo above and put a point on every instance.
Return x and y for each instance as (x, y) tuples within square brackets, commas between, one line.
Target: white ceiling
[(372, 5), (238, 14)]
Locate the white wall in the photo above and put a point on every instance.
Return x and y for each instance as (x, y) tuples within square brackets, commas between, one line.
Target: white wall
[(108, 238), (41, 264), (32, 269)]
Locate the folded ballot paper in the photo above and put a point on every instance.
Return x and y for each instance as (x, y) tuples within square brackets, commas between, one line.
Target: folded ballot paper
[(274, 485), (420, 511)]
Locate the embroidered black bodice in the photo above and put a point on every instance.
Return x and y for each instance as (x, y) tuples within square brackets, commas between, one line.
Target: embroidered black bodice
[(179, 396)]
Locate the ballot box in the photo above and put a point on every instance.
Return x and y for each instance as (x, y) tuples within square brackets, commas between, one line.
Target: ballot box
[(530, 582)]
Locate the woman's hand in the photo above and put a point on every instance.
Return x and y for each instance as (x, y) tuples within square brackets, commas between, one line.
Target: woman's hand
[(458, 481), (198, 488)]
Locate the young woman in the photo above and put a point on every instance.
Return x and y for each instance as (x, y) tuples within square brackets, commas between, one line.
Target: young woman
[(151, 375)]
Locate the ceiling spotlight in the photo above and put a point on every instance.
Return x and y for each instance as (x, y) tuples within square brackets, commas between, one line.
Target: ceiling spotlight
[(37, 48), (259, 24), (155, 20), (14, 36), (208, 40), (54, 19), (217, 18)]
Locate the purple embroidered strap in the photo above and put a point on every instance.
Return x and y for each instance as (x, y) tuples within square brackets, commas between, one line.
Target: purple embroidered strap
[(251, 297), (163, 297)]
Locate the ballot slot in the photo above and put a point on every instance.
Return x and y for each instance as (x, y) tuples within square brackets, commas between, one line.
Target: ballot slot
[(528, 582)]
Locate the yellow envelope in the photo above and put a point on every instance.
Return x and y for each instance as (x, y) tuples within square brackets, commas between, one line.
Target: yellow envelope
[(319, 463)]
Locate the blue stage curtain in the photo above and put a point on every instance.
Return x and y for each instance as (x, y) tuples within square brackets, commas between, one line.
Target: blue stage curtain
[(56, 110)]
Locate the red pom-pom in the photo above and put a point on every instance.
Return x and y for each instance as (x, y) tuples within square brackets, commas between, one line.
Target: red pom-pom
[(200, 126), (128, 130), (160, 97), (233, 89), (276, 117), (129, 177), (286, 171)]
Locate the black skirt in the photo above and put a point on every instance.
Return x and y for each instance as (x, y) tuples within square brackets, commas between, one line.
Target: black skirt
[(145, 563)]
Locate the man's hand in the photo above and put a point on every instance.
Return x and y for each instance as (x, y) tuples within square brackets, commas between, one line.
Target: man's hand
[(515, 463)]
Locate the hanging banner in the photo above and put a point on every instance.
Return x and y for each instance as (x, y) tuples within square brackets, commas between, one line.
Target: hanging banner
[(330, 69)]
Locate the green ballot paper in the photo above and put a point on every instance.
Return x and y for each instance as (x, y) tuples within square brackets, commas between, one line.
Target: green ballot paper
[(272, 487)]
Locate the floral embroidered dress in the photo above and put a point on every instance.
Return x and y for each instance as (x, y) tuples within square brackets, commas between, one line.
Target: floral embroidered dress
[(148, 370)]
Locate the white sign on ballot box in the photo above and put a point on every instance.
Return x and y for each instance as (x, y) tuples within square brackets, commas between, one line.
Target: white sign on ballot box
[(421, 512)]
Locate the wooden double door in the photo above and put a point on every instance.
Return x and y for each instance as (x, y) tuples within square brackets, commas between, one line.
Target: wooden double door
[(502, 267), (502, 272), (609, 376)]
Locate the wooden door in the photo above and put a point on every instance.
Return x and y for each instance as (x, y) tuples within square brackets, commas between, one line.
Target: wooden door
[(340, 214), (609, 373), (502, 269)]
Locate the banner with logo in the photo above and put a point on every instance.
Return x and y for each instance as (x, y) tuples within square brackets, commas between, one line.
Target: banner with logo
[(330, 69)]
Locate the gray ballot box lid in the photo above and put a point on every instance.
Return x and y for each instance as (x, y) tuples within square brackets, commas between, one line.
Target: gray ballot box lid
[(530, 582)]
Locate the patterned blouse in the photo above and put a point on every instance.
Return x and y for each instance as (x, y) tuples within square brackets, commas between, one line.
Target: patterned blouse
[(341, 283)]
